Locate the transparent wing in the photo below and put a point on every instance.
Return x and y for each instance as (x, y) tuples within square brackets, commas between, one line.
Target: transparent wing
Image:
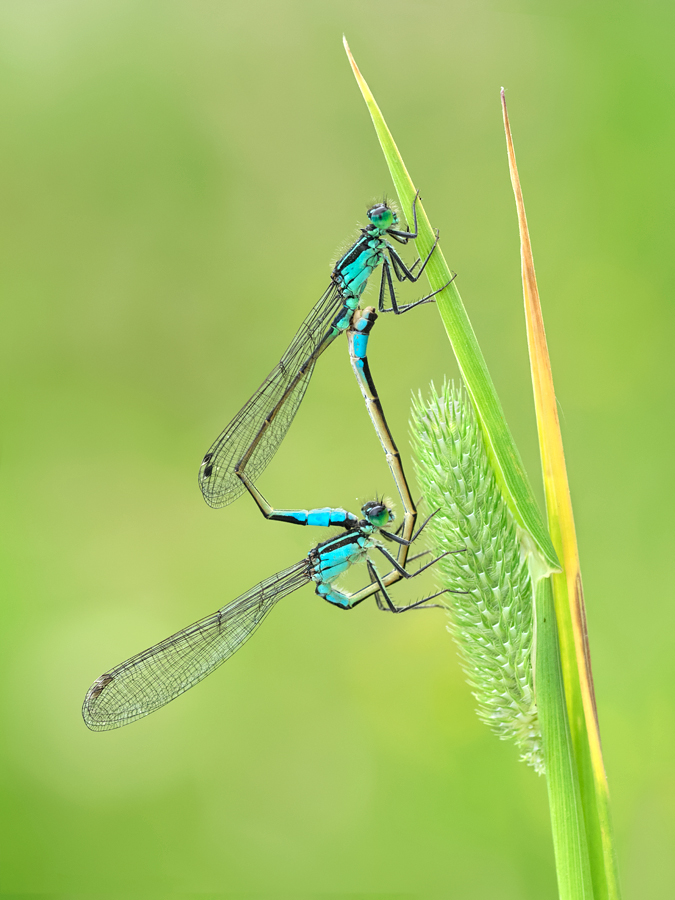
[(284, 388), (152, 678)]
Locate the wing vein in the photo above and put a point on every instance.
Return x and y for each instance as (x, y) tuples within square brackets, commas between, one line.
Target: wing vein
[(152, 678)]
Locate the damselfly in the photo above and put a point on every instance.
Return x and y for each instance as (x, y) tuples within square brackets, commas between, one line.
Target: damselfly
[(158, 675), (253, 436)]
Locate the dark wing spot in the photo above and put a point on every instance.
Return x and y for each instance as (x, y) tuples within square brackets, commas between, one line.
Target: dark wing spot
[(102, 682), (207, 469)]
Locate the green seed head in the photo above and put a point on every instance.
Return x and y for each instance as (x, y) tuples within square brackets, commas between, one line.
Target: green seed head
[(493, 623)]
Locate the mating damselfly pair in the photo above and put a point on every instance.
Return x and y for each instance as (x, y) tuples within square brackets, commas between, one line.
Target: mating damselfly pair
[(152, 678)]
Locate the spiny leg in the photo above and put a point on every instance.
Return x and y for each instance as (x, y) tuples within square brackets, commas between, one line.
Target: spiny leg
[(390, 605), (395, 537), (418, 555), (404, 236), (403, 273), (349, 601), (388, 535), (387, 284), (404, 572)]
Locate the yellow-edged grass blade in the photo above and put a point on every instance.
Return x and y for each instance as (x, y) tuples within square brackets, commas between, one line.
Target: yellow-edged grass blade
[(567, 587)]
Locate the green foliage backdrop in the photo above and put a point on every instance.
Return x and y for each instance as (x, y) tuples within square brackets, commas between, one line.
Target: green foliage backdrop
[(175, 178)]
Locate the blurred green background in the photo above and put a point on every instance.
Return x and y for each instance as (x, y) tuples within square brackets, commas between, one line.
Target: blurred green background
[(176, 178)]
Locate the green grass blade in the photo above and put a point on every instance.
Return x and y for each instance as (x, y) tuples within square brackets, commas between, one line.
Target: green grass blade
[(567, 818), (501, 448)]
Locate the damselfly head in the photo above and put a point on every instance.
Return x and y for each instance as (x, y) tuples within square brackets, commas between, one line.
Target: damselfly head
[(378, 513), (382, 216)]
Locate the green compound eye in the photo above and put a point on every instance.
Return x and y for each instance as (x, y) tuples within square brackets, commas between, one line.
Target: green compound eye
[(378, 514), (382, 216)]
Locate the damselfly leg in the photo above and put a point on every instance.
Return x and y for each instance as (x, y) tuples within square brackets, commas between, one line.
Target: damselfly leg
[(390, 606)]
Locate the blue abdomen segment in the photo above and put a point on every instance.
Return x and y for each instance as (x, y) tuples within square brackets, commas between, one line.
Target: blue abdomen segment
[(323, 518), (360, 341), (337, 598), (328, 516)]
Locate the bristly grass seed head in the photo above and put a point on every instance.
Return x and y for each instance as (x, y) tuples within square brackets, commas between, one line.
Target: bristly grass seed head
[(493, 624)]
